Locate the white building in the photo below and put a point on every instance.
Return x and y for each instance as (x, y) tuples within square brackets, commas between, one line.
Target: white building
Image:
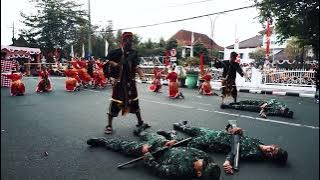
[(250, 45)]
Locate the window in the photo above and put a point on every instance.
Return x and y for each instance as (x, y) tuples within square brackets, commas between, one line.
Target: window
[(241, 55)]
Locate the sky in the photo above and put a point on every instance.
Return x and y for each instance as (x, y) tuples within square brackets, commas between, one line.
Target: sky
[(128, 13)]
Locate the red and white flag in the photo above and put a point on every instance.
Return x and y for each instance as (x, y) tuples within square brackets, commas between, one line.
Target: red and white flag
[(166, 62), (201, 62), (268, 39)]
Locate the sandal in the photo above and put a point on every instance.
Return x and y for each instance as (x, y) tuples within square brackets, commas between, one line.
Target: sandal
[(108, 130)]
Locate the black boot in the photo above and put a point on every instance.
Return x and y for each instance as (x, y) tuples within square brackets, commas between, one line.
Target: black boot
[(140, 127), (180, 125), (96, 142), (223, 106), (289, 114), (170, 135)]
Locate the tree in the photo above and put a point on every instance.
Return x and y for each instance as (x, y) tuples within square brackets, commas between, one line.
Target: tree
[(172, 43), (149, 44), (259, 56), (162, 43), (293, 50), (199, 48), (109, 36), (118, 37), (55, 24), (293, 18)]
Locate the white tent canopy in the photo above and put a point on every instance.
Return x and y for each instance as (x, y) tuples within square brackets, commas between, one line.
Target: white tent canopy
[(27, 49)]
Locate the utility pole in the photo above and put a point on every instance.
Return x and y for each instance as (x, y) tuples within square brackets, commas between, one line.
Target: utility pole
[(212, 31), (12, 33), (89, 35)]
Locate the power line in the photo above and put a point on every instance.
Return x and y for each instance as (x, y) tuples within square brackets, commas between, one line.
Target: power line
[(185, 19), (196, 2)]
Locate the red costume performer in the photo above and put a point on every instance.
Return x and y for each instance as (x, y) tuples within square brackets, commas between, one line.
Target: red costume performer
[(98, 76), (83, 74), (156, 84), (205, 87), (17, 87), (44, 84), (72, 84), (173, 85), (75, 71)]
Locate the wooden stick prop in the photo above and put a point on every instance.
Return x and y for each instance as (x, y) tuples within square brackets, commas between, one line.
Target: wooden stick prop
[(161, 150)]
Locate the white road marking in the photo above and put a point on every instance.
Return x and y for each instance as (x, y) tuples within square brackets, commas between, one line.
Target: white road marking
[(90, 90), (230, 114), (239, 115), (203, 104), (203, 109), (176, 105), (220, 112), (286, 123), (307, 95), (255, 91), (249, 117), (278, 93)]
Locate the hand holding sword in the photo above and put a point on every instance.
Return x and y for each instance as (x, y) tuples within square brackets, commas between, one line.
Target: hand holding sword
[(236, 133)]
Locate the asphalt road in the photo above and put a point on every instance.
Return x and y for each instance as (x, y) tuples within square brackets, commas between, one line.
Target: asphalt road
[(60, 122)]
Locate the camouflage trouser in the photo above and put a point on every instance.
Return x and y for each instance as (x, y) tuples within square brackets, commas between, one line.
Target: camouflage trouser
[(134, 148), (255, 106), (129, 148), (247, 105)]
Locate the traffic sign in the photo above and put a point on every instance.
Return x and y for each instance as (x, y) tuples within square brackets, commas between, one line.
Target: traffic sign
[(173, 58), (173, 52)]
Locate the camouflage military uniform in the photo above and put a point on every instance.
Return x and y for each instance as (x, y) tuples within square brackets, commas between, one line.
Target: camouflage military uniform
[(271, 107), (221, 142), (173, 162), (134, 148), (178, 162)]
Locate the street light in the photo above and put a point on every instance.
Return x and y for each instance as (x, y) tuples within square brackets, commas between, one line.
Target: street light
[(212, 31)]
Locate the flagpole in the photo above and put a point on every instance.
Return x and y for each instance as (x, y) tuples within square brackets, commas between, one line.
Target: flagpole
[(89, 35), (83, 53), (192, 40), (71, 52), (106, 48), (268, 39)]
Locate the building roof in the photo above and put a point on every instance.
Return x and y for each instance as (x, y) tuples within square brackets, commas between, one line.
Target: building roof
[(256, 41), (16, 48), (20, 42), (183, 38), (253, 42)]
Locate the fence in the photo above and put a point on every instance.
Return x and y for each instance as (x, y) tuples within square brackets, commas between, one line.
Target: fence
[(297, 77)]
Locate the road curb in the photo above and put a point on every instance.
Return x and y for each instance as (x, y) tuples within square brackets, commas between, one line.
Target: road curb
[(281, 93), (259, 91)]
